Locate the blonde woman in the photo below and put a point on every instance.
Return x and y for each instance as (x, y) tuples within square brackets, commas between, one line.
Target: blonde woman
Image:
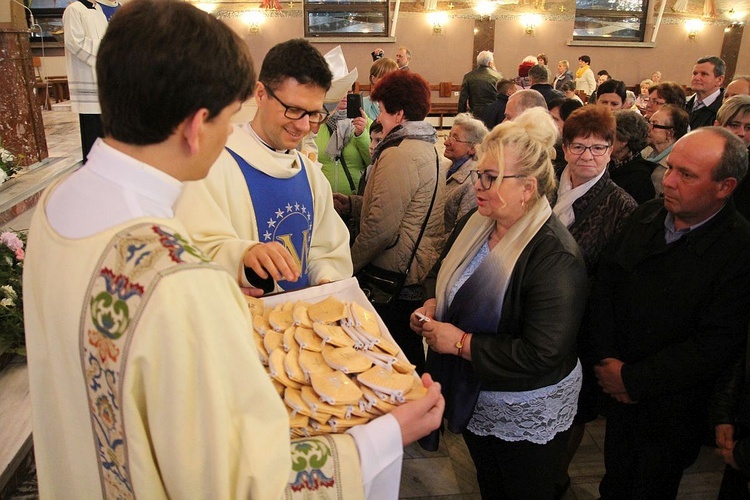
[(508, 299)]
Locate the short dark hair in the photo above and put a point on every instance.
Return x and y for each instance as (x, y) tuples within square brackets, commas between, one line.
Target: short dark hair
[(403, 90), (538, 74), (679, 118), (733, 161), (543, 57), (569, 85), (603, 72), (590, 121), (296, 59), (632, 129), (585, 59), (503, 85), (566, 106), (612, 87), (375, 127), (159, 62), (671, 92), (720, 67)]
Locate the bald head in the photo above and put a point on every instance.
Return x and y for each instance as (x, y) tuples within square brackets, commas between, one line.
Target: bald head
[(521, 101), (738, 86)]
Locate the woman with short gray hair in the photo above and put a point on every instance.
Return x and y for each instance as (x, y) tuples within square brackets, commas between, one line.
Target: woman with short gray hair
[(461, 147)]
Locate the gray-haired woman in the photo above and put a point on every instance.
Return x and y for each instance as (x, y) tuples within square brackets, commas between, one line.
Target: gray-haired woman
[(461, 147)]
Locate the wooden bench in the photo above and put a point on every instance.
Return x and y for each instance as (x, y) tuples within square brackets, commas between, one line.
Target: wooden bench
[(443, 109)]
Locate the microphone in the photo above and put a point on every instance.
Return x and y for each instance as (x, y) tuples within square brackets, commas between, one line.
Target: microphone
[(33, 26)]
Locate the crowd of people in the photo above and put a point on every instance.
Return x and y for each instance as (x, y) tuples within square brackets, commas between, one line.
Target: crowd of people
[(560, 261)]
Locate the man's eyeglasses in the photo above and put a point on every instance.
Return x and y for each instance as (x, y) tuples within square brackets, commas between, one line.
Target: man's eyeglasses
[(486, 179), (453, 138), (656, 102), (657, 126), (596, 149), (295, 113)]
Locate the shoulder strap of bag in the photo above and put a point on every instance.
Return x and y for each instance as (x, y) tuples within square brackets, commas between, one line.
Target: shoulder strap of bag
[(427, 217), (346, 172)]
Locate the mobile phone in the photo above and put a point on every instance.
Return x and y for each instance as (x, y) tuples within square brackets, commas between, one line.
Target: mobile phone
[(353, 105)]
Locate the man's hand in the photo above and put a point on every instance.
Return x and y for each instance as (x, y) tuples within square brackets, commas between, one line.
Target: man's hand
[(419, 418), (342, 204), (608, 371), (272, 259), (725, 442), (725, 436)]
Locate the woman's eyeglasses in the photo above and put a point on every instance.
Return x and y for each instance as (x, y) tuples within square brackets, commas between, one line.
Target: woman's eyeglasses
[(486, 179), (596, 150), (658, 126), (453, 138)]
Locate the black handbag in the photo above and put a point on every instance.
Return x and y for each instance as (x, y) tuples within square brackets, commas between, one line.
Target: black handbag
[(382, 286)]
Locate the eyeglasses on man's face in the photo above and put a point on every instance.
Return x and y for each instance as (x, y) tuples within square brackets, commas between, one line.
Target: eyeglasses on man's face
[(596, 149), (659, 126), (486, 179), (295, 113)]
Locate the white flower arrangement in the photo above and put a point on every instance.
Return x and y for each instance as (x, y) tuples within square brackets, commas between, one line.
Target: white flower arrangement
[(8, 164)]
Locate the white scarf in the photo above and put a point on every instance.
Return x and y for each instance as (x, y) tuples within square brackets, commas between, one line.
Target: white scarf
[(503, 257), (567, 195)]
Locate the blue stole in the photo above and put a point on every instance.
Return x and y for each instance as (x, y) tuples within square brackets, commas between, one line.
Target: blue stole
[(283, 213)]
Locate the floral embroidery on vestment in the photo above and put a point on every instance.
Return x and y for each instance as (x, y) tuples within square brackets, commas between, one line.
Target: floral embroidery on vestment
[(137, 258)]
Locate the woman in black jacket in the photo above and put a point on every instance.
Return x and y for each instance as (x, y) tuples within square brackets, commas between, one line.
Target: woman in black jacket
[(502, 327)]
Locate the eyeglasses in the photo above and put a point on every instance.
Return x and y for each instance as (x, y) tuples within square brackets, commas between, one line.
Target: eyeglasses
[(596, 149), (295, 113), (453, 138), (656, 102), (657, 126), (486, 179)]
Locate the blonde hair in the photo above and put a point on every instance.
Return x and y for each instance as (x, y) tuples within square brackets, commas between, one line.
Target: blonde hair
[(532, 136)]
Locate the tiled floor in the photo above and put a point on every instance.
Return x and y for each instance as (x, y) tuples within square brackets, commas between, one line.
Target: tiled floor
[(448, 473)]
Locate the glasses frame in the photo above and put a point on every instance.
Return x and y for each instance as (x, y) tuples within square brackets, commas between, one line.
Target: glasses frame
[(658, 126), (590, 148), (481, 176), (452, 139), (322, 112)]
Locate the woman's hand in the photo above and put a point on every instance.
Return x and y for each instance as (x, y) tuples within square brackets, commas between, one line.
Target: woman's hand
[(342, 204), (442, 337), (359, 123), (416, 320)]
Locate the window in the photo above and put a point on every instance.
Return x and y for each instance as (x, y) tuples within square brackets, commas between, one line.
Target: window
[(330, 18), (610, 20)]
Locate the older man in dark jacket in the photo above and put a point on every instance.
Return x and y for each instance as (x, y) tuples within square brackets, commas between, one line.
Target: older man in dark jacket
[(478, 87), (538, 77), (670, 308)]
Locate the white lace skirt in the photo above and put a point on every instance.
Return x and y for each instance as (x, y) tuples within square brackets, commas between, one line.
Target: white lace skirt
[(535, 416)]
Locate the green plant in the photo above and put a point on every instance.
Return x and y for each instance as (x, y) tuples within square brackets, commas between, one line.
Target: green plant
[(12, 340)]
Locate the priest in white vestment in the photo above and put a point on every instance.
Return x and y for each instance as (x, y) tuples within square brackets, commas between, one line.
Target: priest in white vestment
[(144, 378)]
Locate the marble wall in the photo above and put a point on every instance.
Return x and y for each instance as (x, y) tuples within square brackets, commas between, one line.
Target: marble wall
[(21, 126)]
